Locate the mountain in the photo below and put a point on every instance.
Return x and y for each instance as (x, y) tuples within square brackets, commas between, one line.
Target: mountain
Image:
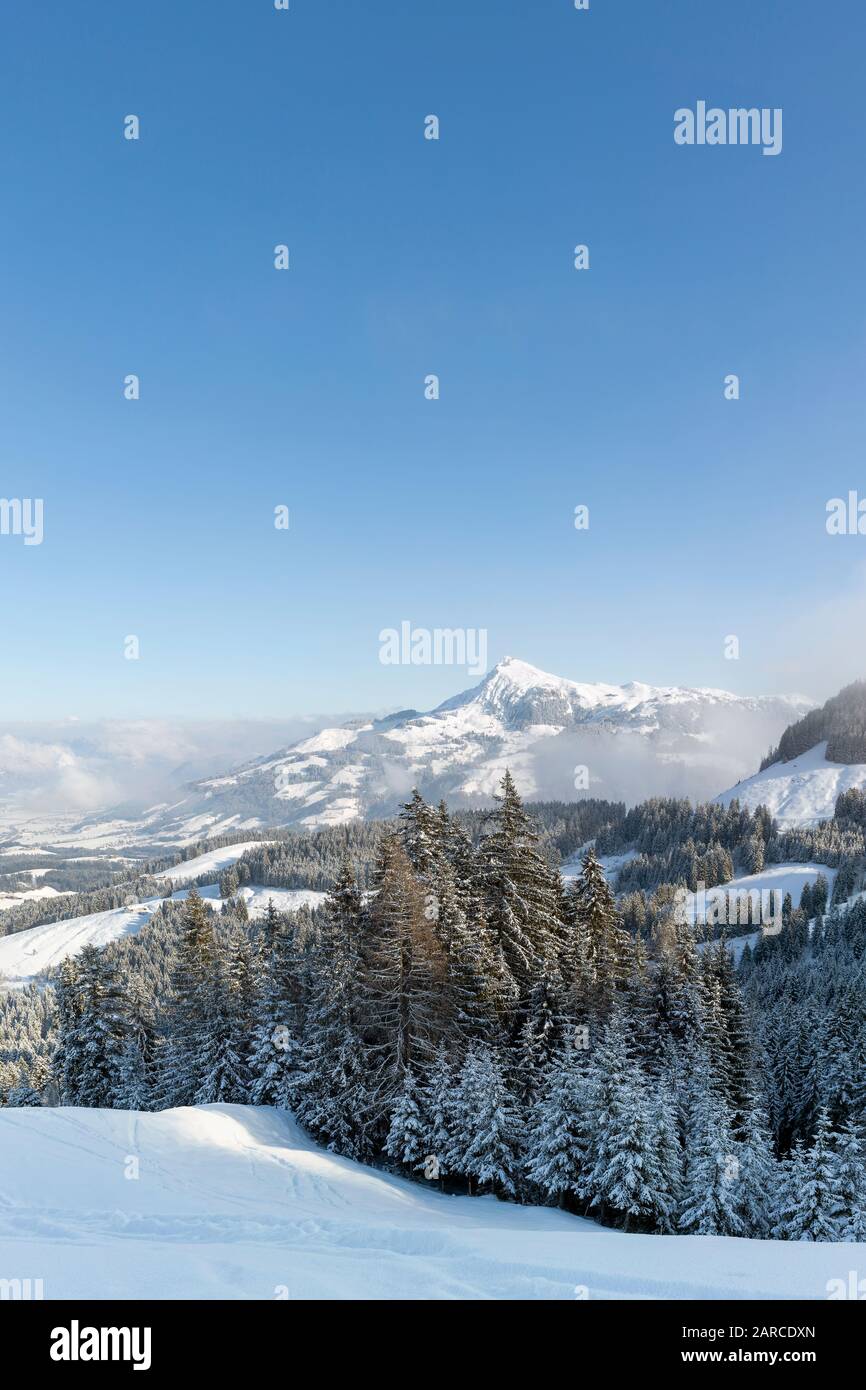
[(635, 741), (817, 758)]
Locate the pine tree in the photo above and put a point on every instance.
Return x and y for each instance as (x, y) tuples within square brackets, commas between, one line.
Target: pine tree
[(667, 1154), (710, 1191), (439, 1100), (137, 1069), (276, 1048), (93, 1053), (556, 1154), (332, 1086), (421, 836), (406, 1141), (623, 1178), (67, 1057), (810, 1203), (849, 1184), (488, 1146), (522, 898), (404, 972), (756, 1172), (539, 1036), (224, 1073), (191, 1009), (610, 948)]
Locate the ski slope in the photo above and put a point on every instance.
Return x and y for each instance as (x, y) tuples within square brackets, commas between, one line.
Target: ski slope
[(802, 792), (775, 878), (214, 861), (26, 954), (236, 1202)]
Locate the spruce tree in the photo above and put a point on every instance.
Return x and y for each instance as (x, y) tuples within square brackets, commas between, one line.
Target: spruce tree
[(406, 1141), (332, 1086), (610, 947), (488, 1150), (190, 1009), (556, 1151), (710, 1204), (810, 1209), (623, 1178), (404, 972), (522, 899), (849, 1182)]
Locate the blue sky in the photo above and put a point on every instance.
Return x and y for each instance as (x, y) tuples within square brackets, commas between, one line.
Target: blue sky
[(410, 257)]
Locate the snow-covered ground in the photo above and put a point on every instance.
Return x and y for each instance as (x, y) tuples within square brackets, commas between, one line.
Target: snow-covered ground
[(26, 954), (611, 863), (214, 861), (775, 878), (224, 1202), (801, 792), (285, 899), (29, 894)]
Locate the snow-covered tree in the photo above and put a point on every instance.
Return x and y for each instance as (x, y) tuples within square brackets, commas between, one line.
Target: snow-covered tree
[(623, 1177), (406, 1139), (849, 1182), (810, 1196), (556, 1149), (487, 1145), (710, 1201)]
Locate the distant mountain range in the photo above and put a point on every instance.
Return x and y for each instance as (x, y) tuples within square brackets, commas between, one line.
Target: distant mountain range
[(562, 739)]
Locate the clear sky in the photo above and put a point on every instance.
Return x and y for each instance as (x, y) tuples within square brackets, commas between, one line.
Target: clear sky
[(409, 257)]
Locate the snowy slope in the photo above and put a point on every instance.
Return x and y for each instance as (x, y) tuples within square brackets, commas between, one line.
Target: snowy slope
[(214, 861), (235, 1202), (775, 878), (637, 740), (28, 895), (26, 954), (801, 792)]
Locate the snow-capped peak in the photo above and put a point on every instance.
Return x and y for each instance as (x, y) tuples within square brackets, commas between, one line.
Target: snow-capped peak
[(681, 741)]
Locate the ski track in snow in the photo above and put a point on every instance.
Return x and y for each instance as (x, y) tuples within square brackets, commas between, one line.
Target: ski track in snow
[(237, 1202)]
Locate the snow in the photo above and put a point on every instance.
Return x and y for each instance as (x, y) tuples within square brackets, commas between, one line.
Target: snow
[(802, 792), (329, 740), (214, 861), (28, 894), (26, 954), (236, 1202), (775, 878), (610, 863), (285, 899)]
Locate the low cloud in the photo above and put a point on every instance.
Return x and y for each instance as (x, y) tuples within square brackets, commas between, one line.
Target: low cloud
[(77, 767)]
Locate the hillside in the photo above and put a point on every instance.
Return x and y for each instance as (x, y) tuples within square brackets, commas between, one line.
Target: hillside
[(840, 724), (236, 1202), (801, 792), (818, 757)]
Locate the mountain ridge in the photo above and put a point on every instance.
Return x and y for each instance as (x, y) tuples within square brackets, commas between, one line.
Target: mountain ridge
[(655, 738)]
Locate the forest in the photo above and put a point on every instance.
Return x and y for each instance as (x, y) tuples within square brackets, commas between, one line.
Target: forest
[(474, 1020)]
